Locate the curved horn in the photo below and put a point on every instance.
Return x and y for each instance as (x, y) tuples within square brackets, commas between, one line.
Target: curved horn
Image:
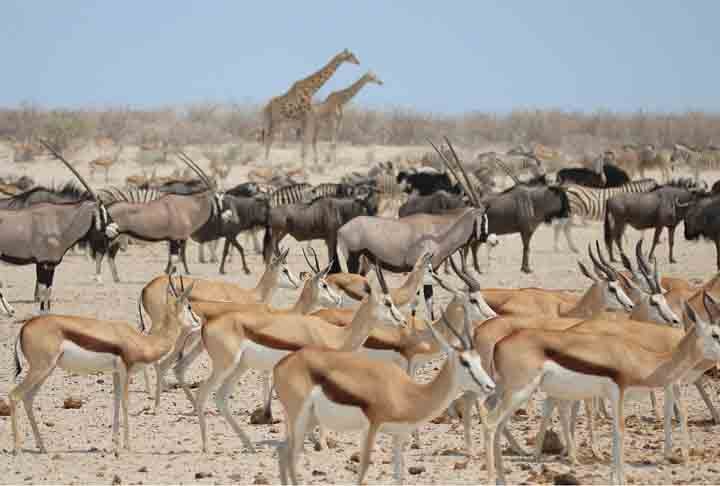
[(462, 170), (598, 265), (307, 260), (317, 262), (458, 335), (460, 274), (605, 263), (72, 169), (191, 163), (645, 268), (466, 324), (469, 279)]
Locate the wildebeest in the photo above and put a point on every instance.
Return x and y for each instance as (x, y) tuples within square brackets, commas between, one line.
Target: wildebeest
[(521, 209), (703, 220), (664, 207), (600, 175), (42, 233), (425, 183), (319, 219), (435, 203)]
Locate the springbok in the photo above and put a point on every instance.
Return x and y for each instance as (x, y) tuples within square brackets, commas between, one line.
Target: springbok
[(316, 292), (574, 366), (344, 391), (86, 345), (240, 341)]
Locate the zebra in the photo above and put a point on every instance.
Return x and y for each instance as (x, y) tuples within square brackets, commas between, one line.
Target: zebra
[(695, 159), (289, 194), (589, 204), (331, 189)]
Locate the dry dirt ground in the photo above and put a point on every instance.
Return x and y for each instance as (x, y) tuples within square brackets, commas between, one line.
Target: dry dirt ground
[(166, 447)]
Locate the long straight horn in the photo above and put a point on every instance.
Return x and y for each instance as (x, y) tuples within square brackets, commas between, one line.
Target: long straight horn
[(307, 260), (317, 262), (191, 163), (451, 169), (650, 277), (381, 277), (605, 263), (462, 170), (507, 170), (72, 169)]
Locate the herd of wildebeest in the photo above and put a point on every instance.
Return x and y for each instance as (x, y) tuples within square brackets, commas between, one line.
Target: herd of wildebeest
[(344, 357)]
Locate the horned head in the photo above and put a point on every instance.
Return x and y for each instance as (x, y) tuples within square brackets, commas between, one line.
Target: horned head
[(380, 294), (103, 221), (478, 306), (279, 265), (327, 295), (473, 375), (225, 213), (465, 181), (347, 56)]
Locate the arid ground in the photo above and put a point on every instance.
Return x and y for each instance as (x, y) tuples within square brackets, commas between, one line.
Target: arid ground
[(166, 447)]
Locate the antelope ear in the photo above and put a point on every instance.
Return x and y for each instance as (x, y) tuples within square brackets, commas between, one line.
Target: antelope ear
[(712, 306), (585, 271), (693, 317)]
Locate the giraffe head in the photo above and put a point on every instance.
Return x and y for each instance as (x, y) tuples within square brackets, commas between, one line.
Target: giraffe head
[(347, 56), (371, 77)]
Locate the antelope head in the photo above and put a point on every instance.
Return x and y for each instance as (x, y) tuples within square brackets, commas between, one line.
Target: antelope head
[(607, 283), (478, 308), (179, 306), (327, 296), (103, 221), (709, 332), (659, 309), (220, 207), (279, 266), (380, 294), (471, 374)]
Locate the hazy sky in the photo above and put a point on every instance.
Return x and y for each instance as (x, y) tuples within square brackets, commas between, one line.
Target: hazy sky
[(443, 56)]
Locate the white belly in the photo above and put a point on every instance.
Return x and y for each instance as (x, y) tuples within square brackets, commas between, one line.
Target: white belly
[(260, 357), (564, 384), (82, 361), (336, 416)]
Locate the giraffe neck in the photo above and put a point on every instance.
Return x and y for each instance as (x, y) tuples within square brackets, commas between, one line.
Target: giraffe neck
[(343, 96), (315, 81)]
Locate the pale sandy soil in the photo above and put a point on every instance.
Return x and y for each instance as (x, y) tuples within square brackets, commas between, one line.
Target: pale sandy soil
[(166, 446)]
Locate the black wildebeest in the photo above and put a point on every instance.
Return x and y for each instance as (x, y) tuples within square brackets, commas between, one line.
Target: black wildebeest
[(42, 233), (435, 203), (703, 220), (320, 219), (664, 207), (601, 175), (425, 183)]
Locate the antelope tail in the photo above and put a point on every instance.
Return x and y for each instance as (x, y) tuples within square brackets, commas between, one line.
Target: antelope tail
[(268, 249), (608, 229), (17, 363)]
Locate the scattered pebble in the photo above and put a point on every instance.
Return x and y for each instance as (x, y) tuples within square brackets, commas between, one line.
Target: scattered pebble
[(415, 470), (72, 403)]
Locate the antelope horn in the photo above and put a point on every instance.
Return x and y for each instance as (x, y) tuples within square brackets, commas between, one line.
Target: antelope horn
[(452, 328), (451, 169), (307, 260), (645, 268), (317, 263), (602, 259), (191, 163), (462, 170), (460, 274), (466, 324), (597, 264), (381, 277), (507, 170), (69, 166)]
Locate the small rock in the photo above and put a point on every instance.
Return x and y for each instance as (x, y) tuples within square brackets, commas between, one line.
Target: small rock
[(355, 457), (317, 472), (676, 459), (552, 444), (55, 457), (236, 478), (72, 403), (4, 409), (143, 469), (415, 470), (49, 424), (566, 478), (116, 480), (260, 479), (100, 381), (460, 465), (203, 475)]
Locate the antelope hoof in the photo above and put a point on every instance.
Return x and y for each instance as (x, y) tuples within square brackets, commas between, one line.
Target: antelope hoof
[(98, 279), (246, 270), (672, 260), (525, 269), (222, 271)]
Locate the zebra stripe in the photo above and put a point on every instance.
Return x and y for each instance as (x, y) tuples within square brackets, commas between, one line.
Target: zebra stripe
[(130, 194), (290, 194), (589, 202)]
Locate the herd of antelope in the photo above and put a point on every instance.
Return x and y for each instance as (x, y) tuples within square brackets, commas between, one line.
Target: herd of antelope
[(345, 356)]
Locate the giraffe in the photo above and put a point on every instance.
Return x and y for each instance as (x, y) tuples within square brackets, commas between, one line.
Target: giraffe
[(296, 103), (331, 110)]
